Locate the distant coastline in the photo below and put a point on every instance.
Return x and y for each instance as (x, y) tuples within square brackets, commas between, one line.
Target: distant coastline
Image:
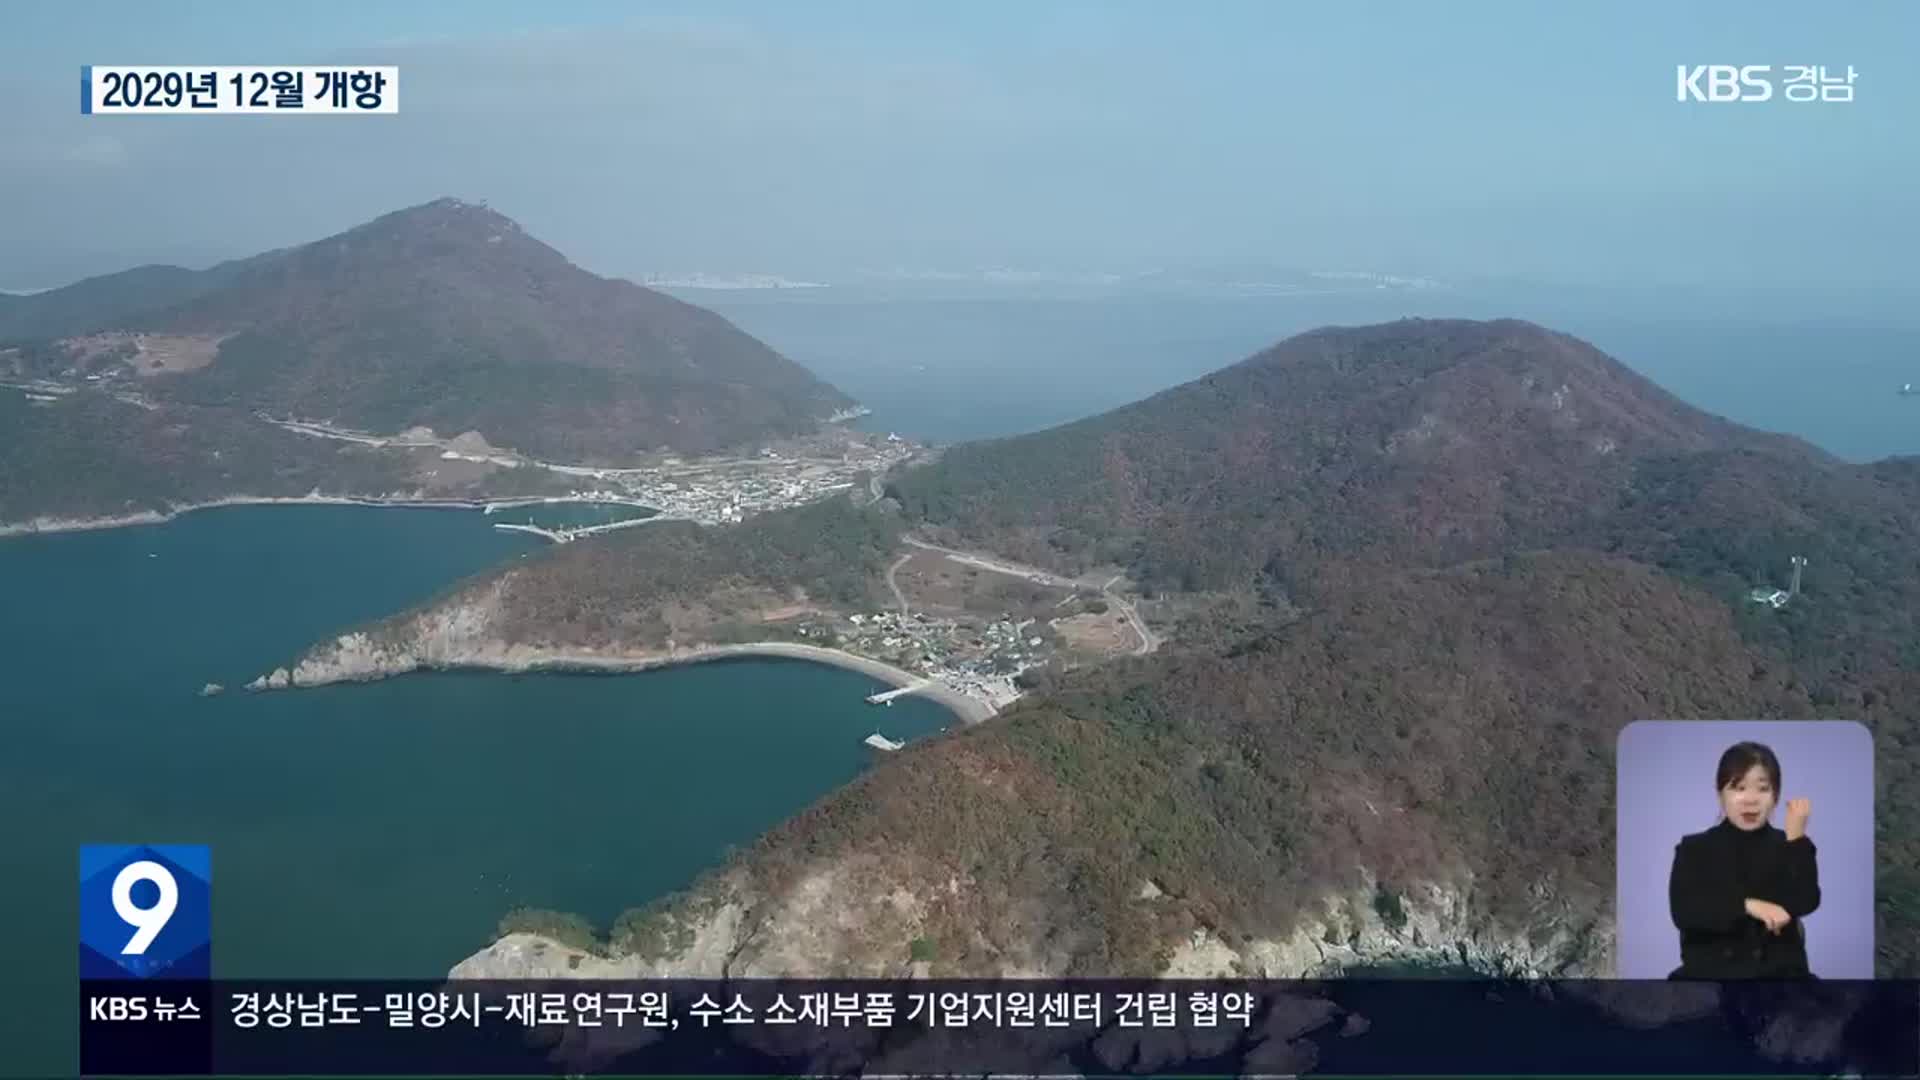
[(34, 526)]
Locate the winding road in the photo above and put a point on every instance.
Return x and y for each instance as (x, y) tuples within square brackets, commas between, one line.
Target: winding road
[(898, 596), (1149, 641)]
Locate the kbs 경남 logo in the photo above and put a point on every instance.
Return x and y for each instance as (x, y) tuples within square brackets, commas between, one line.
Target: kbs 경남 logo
[(1722, 83), (146, 911)]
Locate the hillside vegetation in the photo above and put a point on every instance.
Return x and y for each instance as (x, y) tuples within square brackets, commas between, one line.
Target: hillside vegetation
[(99, 303), (1420, 442), (1454, 727), (678, 583), (449, 315), (1467, 555), (91, 455), (1341, 463)]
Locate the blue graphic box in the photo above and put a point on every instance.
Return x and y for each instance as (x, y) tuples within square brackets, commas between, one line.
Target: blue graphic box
[(146, 911)]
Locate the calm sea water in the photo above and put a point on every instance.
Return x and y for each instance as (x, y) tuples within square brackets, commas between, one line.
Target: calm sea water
[(379, 829)]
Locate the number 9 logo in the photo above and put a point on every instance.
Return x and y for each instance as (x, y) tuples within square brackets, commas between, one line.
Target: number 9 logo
[(147, 922)]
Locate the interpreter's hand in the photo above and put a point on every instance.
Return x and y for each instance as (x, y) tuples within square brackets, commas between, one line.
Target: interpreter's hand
[(1797, 811), (1772, 914)]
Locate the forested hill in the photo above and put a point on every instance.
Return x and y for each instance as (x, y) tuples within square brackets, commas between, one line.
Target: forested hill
[(1343, 465), (1496, 547), (1344, 454), (1420, 441), (446, 315), (100, 302), (1450, 730)]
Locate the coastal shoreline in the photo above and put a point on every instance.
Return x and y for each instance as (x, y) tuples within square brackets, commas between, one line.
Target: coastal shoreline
[(970, 710), (51, 525)]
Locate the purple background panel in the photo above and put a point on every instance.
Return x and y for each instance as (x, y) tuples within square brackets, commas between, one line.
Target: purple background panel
[(1665, 791)]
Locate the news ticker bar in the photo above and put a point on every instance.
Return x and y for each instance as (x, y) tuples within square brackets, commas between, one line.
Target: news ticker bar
[(135, 90), (1352, 1027)]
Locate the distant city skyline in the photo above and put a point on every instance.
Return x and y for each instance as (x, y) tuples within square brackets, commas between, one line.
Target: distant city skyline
[(1492, 138)]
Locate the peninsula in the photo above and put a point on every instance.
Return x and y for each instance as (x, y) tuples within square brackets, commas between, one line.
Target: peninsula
[(356, 658), (805, 581)]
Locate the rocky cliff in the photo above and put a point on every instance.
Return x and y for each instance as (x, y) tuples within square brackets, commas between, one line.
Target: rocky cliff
[(455, 633), (845, 919)]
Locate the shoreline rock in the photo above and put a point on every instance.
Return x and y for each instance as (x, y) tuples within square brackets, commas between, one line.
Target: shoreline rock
[(1440, 928), (728, 928), (875, 921)]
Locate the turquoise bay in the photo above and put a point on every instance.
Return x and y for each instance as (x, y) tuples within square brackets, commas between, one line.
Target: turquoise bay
[(379, 829)]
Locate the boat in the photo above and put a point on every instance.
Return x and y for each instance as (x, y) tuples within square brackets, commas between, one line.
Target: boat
[(1907, 390)]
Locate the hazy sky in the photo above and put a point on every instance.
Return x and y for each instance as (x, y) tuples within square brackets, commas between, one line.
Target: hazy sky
[(810, 137)]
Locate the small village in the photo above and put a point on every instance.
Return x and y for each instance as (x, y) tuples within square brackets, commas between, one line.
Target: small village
[(720, 490), (709, 490), (979, 661)]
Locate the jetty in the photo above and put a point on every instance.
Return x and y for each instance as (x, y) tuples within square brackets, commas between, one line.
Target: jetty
[(881, 742), (595, 498), (885, 697), (568, 536)]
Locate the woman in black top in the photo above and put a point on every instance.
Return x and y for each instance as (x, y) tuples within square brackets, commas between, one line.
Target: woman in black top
[(1739, 890)]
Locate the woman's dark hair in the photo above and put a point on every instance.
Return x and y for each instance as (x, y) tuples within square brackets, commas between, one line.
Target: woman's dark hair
[(1743, 756)]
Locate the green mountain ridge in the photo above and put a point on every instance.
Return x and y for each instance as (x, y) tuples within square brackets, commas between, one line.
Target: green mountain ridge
[(99, 303), (89, 456), (1425, 441), (449, 315)]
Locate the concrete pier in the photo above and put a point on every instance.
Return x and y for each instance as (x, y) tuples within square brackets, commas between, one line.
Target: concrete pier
[(567, 536), (885, 697)]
